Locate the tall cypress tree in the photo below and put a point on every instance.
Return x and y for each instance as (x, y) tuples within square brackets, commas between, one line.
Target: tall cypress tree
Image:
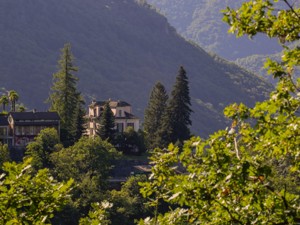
[(177, 120), (64, 97), (106, 129), (153, 115)]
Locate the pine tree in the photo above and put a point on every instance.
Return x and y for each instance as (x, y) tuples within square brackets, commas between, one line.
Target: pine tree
[(153, 115), (106, 128), (64, 97), (177, 120)]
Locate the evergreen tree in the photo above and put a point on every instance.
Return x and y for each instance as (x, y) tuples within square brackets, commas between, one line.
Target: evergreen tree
[(153, 115), (81, 120), (176, 120), (106, 129), (65, 99)]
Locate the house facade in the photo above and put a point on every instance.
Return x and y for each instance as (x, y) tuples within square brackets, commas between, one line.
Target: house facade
[(17, 129), (5, 137), (122, 112)]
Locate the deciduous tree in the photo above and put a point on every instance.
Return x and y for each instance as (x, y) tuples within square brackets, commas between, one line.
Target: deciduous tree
[(88, 162), (98, 215), (41, 148), (128, 204), (4, 154), (27, 198)]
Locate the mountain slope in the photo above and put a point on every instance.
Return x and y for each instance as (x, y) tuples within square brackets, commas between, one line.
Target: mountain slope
[(201, 21), (122, 48), (255, 63)]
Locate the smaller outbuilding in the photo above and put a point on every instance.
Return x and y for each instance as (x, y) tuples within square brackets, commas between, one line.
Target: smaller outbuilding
[(17, 129), (25, 126)]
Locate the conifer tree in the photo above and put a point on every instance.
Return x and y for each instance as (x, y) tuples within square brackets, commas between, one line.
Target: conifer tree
[(176, 120), (81, 122), (106, 129), (64, 97), (153, 115)]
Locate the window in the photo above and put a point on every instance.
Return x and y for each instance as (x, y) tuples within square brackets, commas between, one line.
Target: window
[(3, 131), (18, 130), (27, 130), (32, 130), (120, 127), (23, 130), (120, 113)]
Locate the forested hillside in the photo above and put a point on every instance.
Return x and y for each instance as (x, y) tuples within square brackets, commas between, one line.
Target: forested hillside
[(256, 63), (121, 48), (201, 21)]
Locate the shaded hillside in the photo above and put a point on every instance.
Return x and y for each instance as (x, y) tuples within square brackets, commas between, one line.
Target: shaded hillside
[(122, 48), (201, 21), (255, 63)]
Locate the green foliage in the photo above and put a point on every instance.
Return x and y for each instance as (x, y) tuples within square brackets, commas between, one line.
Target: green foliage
[(4, 101), (4, 154), (265, 16), (13, 97), (130, 142), (106, 128), (88, 162), (248, 173), (231, 177), (153, 116), (65, 99), (176, 120), (274, 20), (97, 216), (128, 204), (80, 120), (45, 143), (30, 199), (20, 108)]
